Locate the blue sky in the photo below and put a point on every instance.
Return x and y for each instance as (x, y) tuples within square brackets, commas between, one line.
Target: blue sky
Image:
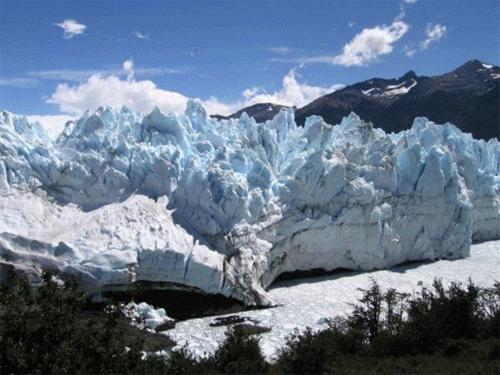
[(228, 53)]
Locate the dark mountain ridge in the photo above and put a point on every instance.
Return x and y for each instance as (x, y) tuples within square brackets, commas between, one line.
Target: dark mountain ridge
[(468, 97), (261, 112)]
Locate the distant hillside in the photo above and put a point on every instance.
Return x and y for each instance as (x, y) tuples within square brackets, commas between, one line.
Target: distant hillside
[(260, 112), (468, 97)]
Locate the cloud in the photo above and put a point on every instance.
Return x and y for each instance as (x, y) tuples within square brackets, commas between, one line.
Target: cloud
[(64, 74), (292, 93), (20, 82), (410, 1), (410, 51), (140, 35), (433, 33), (215, 106), (144, 95), (366, 46), (71, 28), (53, 124), (351, 24), (141, 96), (281, 50), (114, 91), (128, 68), (80, 75), (370, 43)]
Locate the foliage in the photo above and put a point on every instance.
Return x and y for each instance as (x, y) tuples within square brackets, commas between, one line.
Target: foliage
[(454, 329), (437, 330), (40, 332)]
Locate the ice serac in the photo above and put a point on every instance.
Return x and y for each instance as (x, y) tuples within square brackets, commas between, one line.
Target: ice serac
[(187, 201)]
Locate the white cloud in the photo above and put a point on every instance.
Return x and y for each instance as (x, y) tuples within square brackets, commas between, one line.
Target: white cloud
[(144, 95), (64, 74), (410, 1), (71, 28), (140, 35), (364, 48), (53, 124), (114, 91), (141, 96), (215, 106), (410, 51), (21, 82), (80, 75), (128, 68), (433, 33), (292, 93), (281, 50), (371, 43)]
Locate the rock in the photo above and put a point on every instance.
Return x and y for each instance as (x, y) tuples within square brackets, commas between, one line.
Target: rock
[(229, 320), (251, 329)]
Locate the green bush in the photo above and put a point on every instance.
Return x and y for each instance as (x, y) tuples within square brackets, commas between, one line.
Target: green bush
[(438, 323), (438, 330), (303, 354), (238, 354), (40, 332), (439, 314)]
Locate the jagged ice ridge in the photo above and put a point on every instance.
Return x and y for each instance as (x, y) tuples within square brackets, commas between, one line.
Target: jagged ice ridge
[(190, 202)]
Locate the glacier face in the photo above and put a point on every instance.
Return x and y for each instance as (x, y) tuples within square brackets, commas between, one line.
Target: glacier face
[(227, 206)]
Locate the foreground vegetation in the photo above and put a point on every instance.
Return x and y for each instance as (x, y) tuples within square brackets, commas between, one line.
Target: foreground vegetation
[(438, 330)]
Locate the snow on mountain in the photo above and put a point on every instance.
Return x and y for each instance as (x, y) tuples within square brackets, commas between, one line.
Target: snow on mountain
[(467, 97), (400, 89), (391, 91), (187, 201)]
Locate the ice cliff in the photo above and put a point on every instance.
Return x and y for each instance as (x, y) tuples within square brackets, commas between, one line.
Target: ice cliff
[(187, 201)]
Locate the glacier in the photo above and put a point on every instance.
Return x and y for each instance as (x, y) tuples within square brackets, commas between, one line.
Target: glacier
[(189, 202)]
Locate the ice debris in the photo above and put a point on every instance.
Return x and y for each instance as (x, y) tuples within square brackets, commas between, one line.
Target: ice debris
[(143, 315)]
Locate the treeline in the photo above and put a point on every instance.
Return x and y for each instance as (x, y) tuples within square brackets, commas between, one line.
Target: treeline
[(454, 329)]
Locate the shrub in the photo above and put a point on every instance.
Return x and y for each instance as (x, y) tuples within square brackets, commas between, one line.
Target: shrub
[(439, 314), (444, 330), (40, 332), (238, 354), (441, 322), (303, 354)]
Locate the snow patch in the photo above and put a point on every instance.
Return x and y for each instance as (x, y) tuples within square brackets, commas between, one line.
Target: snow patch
[(401, 89), (391, 91)]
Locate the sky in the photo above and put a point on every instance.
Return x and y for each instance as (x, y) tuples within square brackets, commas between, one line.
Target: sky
[(59, 58)]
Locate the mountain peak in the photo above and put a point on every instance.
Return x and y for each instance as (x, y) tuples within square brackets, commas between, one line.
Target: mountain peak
[(408, 75), (473, 65), (393, 103)]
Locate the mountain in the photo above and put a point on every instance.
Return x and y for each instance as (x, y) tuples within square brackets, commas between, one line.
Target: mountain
[(468, 97), (188, 202), (261, 112)]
